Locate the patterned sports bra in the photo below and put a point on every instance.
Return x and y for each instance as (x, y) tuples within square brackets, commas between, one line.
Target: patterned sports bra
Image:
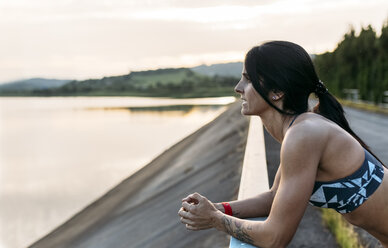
[(346, 194)]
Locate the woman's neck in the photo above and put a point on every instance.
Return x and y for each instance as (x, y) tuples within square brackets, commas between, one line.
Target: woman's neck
[(276, 124)]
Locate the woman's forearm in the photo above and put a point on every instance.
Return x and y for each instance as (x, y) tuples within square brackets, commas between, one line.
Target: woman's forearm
[(257, 206), (252, 232)]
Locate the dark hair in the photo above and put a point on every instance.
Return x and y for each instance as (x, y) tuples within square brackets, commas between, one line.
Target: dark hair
[(283, 66)]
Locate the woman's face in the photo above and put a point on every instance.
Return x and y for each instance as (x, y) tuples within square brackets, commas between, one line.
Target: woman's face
[(253, 103)]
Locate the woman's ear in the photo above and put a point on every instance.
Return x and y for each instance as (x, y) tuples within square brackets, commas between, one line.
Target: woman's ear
[(276, 95)]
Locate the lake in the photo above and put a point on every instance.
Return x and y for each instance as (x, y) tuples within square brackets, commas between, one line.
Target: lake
[(58, 154)]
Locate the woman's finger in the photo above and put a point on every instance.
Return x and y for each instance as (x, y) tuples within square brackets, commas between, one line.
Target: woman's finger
[(182, 210), (196, 228), (185, 214), (191, 198), (191, 228), (187, 198), (187, 221), (202, 226), (196, 197), (187, 206)]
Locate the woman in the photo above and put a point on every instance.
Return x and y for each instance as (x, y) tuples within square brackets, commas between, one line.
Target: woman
[(322, 161)]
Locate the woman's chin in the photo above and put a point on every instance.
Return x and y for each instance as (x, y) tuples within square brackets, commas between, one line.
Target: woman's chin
[(245, 111)]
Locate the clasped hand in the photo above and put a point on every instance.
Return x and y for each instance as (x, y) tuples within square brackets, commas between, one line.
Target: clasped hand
[(197, 212)]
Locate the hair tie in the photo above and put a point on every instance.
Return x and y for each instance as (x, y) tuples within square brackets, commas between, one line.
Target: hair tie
[(320, 88)]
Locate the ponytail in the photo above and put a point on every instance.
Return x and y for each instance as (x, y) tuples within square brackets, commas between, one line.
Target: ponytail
[(329, 107), (286, 67)]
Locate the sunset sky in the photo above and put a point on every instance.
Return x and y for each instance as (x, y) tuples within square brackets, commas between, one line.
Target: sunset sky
[(80, 39)]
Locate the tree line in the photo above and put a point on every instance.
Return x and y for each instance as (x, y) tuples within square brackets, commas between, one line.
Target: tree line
[(359, 62), (179, 82)]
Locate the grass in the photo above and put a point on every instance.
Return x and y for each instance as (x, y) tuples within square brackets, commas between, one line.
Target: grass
[(344, 234)]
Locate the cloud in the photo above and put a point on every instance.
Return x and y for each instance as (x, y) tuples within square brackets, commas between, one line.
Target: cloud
[(86, 37)]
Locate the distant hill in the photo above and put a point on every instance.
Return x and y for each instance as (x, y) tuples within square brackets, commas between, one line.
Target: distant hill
[(200, 81), (227, 69), (170, 82), (32, 84)]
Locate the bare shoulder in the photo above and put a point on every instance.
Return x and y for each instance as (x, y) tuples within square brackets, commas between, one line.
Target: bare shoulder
[(310, 131), (305, 140)]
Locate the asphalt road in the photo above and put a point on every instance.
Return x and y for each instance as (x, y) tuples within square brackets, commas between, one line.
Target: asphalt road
[(372, 128)]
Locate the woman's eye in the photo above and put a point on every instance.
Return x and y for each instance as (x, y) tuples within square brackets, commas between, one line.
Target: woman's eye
[(246, 77)]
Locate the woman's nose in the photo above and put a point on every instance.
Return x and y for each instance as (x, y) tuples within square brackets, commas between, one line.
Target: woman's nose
[(238, 88)]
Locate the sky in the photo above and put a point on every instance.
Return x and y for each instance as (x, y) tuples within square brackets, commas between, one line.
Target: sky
[(81, 39)]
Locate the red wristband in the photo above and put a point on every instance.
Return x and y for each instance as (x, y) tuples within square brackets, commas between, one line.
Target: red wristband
[(228, 208)]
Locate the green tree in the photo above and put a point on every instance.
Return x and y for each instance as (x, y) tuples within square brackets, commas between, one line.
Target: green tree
[(359, 62)]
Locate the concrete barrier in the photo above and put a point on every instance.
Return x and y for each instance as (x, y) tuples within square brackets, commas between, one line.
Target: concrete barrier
[(254, 177)]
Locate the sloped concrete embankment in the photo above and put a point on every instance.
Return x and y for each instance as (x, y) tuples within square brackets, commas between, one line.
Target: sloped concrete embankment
[(142, 210)]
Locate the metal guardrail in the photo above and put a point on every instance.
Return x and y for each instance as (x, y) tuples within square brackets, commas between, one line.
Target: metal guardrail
[(254, 177), (385, 99), (354, 96)]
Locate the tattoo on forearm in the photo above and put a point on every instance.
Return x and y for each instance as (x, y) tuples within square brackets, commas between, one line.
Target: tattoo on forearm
[(237, 230)]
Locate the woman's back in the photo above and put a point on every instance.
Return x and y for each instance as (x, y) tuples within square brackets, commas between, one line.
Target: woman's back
[(343, 156)]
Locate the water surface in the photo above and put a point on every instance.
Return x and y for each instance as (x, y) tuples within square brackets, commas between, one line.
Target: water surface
[(59, 154)]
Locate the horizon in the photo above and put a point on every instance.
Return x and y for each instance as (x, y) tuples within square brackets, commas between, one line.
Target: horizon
[(150, 69), (96, 39)]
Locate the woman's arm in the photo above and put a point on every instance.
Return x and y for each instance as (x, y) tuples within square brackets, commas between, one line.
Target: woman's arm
[(299, 161), (257, 206)]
